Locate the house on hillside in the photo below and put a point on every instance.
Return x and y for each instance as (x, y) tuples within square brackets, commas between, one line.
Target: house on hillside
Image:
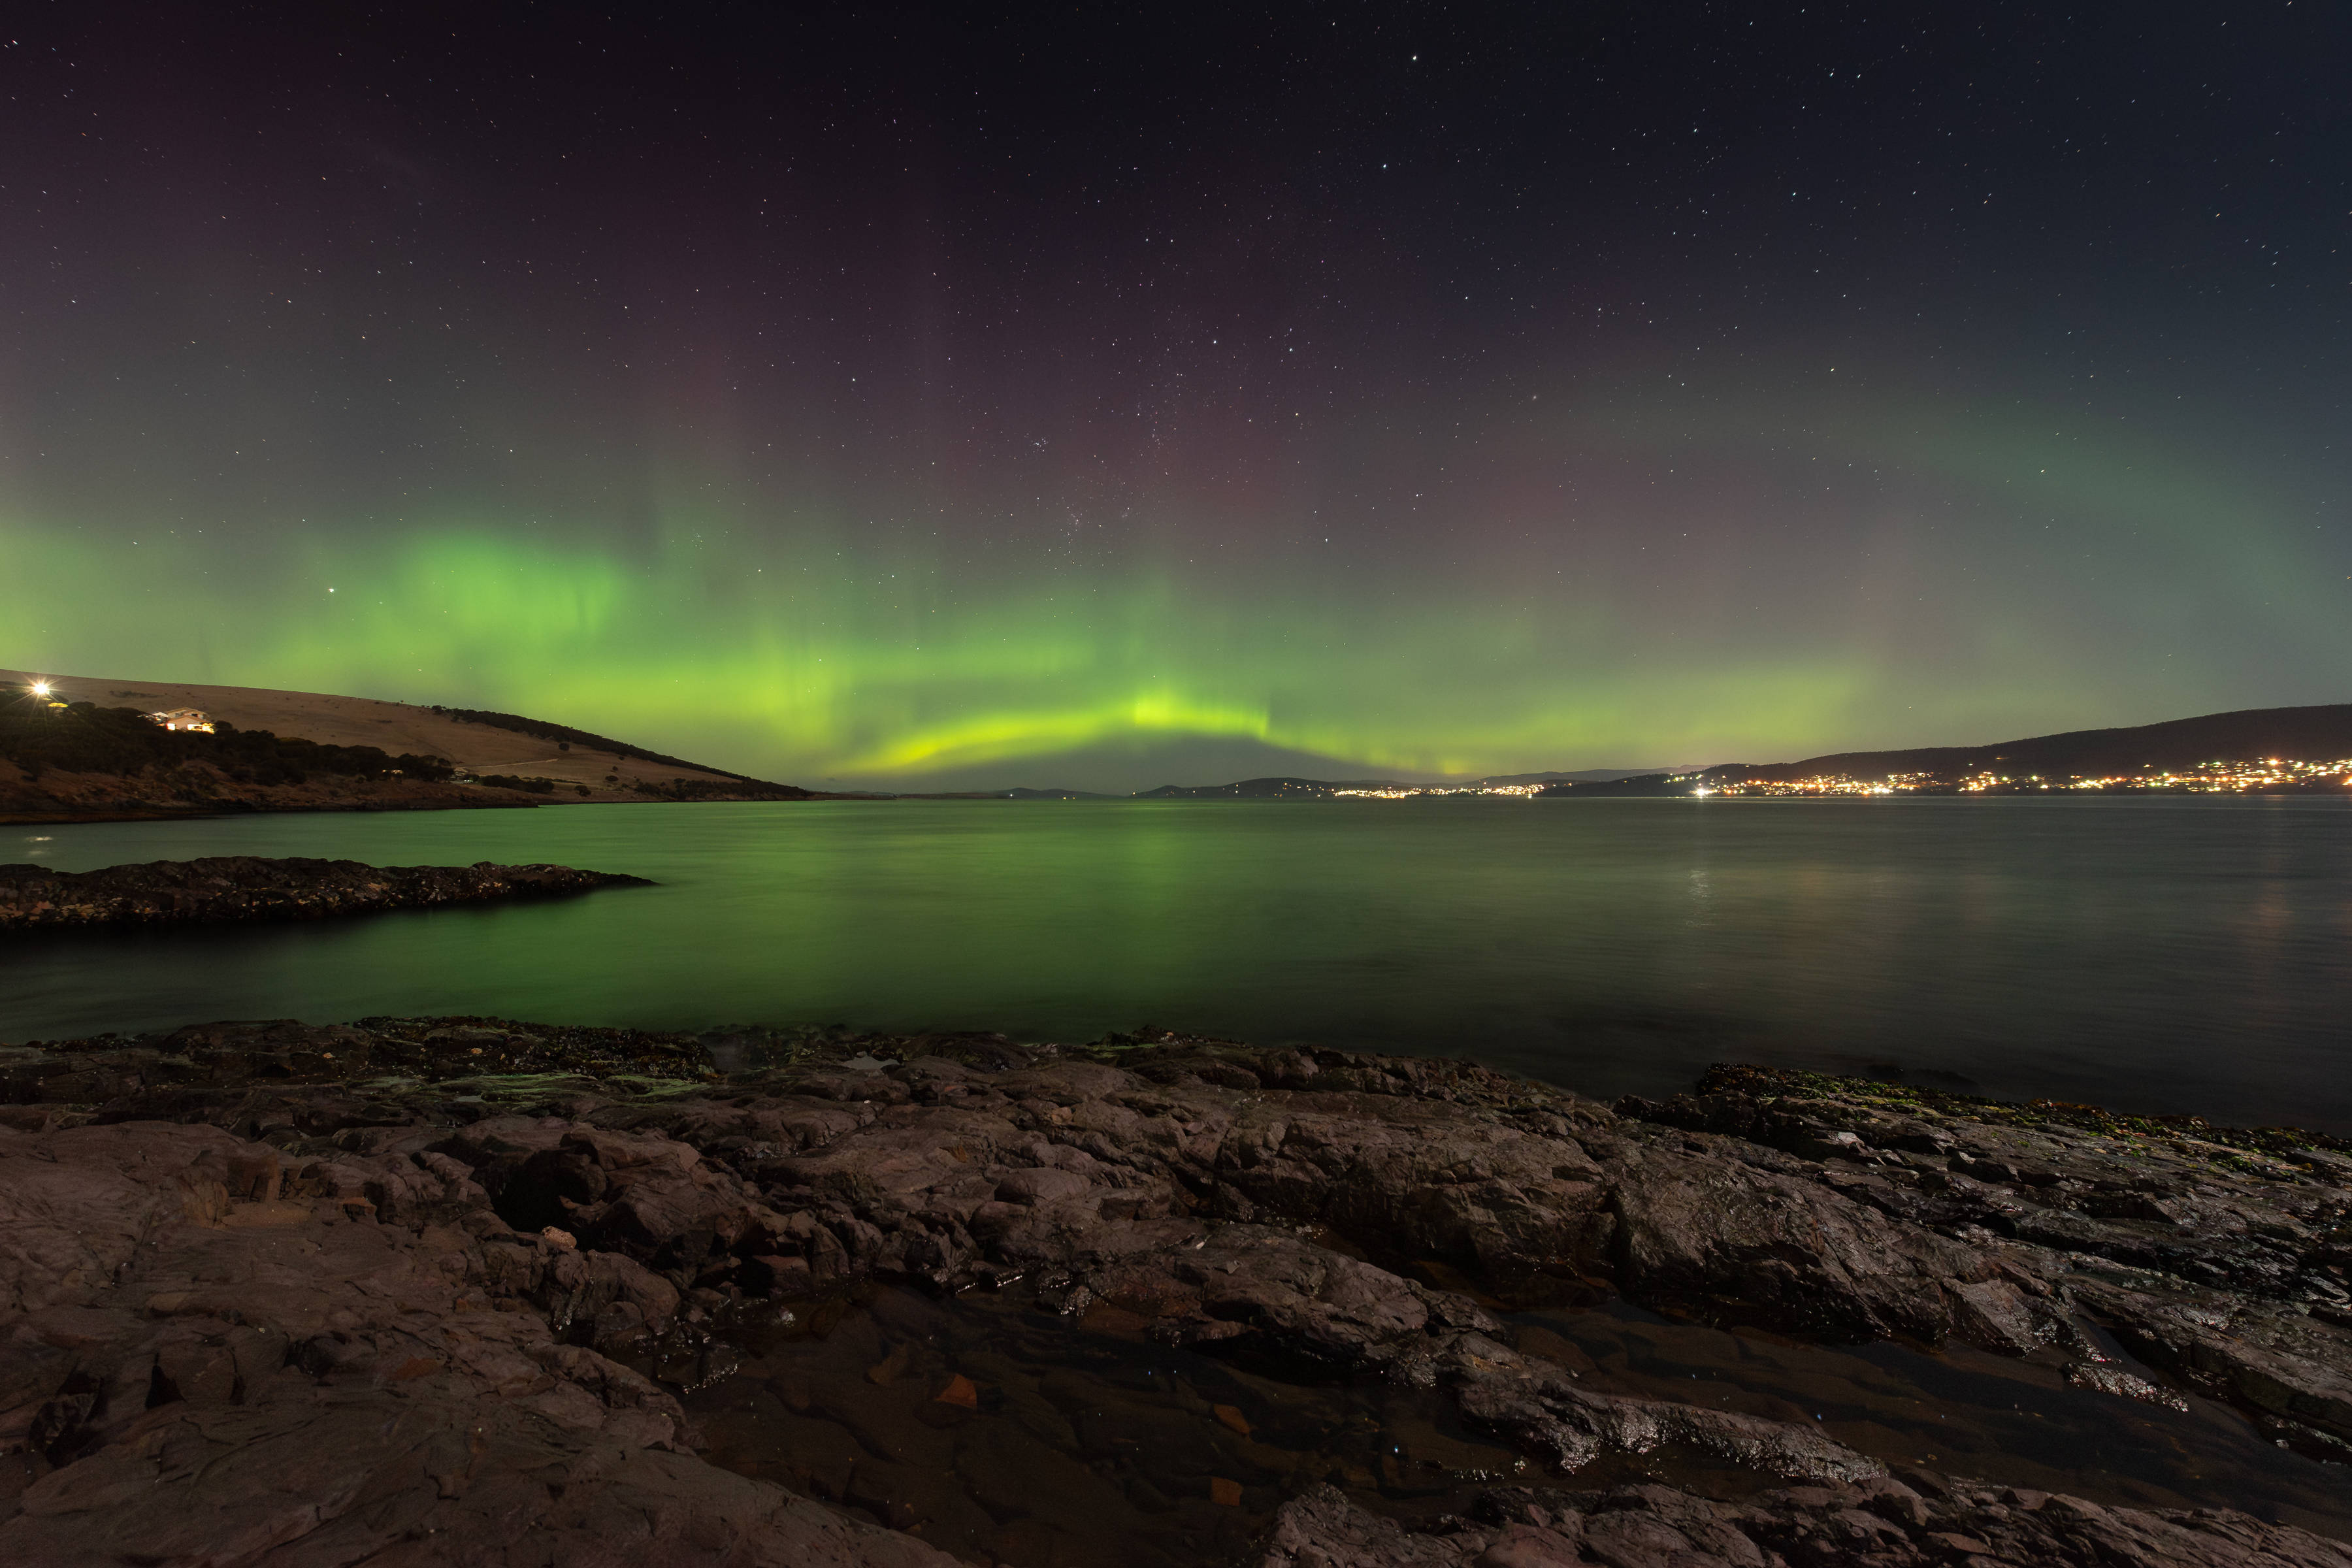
[(184, 719)]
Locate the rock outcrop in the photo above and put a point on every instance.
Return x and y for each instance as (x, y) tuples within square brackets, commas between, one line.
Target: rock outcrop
[(284, 1293), (2219, 1256), (222, 889), (213, 1353), (1883, 1524)]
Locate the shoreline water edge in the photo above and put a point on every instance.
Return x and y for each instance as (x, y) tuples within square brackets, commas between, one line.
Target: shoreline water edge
[(440, 1291)]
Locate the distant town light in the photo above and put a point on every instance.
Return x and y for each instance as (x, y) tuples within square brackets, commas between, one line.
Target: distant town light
[(193, 719)]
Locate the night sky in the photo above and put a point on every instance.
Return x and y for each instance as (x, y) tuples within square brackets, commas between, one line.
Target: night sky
[(1080, 397)]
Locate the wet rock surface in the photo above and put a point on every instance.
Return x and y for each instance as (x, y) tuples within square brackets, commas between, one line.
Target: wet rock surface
[(2217, 1255), (235, 888), (460, 1291), (1885, 1523)]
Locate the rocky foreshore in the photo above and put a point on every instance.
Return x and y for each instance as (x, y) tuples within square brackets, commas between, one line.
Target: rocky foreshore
[(470, 1291), (223, 889)]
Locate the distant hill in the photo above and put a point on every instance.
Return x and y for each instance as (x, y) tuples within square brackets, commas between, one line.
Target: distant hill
[(1265, 789), (1593, 775), (2316, 734), (1323, 789), (2320, 733), (996, 795), (344, 750)]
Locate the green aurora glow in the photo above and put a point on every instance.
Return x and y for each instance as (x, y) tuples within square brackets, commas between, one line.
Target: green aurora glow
[(773, 644), (1169, 397)]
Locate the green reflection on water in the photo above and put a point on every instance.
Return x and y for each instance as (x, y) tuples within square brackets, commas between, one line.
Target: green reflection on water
[(2098, 949)]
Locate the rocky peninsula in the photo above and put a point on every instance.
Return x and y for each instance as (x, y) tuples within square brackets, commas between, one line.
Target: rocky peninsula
[(471, 1291), (222, 889)]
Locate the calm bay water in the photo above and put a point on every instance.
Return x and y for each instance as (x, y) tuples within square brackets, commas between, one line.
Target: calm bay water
[(2163, 954)]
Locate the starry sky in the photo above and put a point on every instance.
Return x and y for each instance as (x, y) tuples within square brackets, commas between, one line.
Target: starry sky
[(1107, 397)]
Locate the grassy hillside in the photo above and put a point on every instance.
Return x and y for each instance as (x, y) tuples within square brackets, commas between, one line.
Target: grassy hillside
[(537, 756), (97, 755), (566, 737)]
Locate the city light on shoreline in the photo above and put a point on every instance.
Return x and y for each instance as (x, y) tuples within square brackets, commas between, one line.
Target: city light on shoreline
[(2246, 776), (2217, 777)]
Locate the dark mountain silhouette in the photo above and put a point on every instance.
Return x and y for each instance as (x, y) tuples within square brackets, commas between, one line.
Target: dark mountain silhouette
[(2318, 733), (1286, 788), (1602, 775), (1265, 789), (2314, 734)]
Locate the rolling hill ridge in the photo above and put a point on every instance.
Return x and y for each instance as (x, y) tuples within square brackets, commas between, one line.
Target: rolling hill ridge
[(297, 750)]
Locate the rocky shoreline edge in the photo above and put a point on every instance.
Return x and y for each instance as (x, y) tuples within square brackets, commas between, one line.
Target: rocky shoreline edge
[(450, 1291), (226, 888)]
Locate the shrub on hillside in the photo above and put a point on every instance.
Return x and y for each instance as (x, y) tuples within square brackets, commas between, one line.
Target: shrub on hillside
[(86, 739)]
